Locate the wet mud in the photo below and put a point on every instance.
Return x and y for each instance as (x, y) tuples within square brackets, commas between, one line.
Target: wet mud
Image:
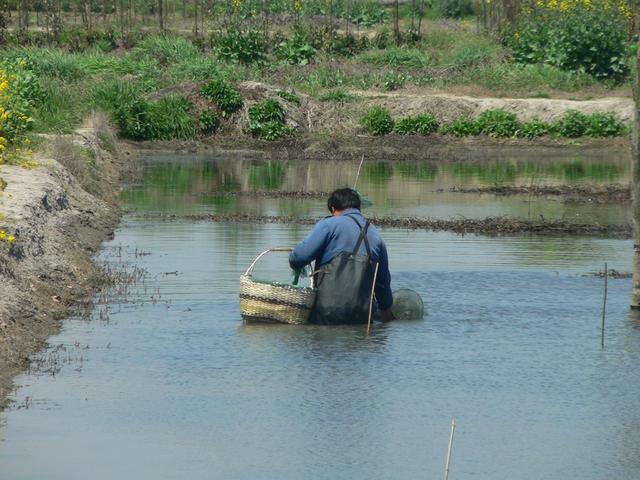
[(611, 193), (491, 226)]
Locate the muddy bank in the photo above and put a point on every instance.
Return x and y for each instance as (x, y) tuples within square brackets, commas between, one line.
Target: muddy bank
[(392, 148), (59, 212), (491, 226), (612, 193)]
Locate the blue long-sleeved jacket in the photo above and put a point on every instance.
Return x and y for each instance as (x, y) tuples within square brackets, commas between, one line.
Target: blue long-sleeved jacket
[(334, 235)]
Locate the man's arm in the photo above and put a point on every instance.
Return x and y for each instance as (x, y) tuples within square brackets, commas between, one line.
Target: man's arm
[(384, 295), (311, 247)]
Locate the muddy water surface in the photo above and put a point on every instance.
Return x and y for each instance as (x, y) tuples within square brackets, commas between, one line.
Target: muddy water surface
[(168, 383)]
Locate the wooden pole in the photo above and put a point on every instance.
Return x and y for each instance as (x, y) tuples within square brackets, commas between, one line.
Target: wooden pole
[(604, 304), (635, 189), (446, 468), (373, 289)]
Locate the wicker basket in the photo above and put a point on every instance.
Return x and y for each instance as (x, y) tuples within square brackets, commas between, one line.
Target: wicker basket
[(274, 302)]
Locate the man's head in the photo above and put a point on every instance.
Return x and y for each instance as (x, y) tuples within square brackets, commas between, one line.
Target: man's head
[(341, 199)]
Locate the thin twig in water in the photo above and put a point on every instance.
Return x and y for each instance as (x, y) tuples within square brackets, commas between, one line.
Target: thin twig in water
[(604, 305), (355, 183), (453, 429)]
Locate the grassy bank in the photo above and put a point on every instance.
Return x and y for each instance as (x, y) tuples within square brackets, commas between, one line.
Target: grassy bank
[(152, 86)]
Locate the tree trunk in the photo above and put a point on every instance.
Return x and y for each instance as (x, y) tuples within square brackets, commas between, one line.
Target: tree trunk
[(635, 190)]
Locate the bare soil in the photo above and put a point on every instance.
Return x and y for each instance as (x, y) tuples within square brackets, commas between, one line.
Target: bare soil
[(58, 227)]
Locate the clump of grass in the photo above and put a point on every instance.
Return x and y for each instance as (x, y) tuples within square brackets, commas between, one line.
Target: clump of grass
[(165, 50), (3, 186), (420, 124), (289, 97), (377, 121), (171, 118), (223, 94)]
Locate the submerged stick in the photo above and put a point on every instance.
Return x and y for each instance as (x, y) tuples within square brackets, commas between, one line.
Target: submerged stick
[(373, 289), (604, 304), (355, 183), (453, 429)]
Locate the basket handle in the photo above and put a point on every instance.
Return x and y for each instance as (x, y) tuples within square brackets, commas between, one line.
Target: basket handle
[(275, 249)]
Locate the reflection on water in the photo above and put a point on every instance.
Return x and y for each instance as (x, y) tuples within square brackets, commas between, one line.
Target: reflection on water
[(174, 385), (400, 189)]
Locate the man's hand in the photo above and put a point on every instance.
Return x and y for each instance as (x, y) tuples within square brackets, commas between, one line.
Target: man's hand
[(387, 316)]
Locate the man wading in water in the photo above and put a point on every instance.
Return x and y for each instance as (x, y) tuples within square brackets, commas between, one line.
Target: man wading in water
[(346, 250)]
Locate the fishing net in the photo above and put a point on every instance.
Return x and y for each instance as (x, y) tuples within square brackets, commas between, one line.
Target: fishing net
[(407, 305)]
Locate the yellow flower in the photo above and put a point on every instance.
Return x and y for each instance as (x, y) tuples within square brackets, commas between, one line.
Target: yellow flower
[(3, 234), (11, 239)]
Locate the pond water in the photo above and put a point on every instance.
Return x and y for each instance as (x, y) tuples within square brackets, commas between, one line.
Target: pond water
[(169, 383)]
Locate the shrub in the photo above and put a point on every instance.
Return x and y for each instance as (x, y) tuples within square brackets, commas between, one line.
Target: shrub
[(223, 94), (133, 119), (171, 118), (461, 127), (456, 8), (377, 121), (266, 120), (497, 123), (579, 36), (534, 128), (208, 121), (296, 50), (241, 47), (605, 125), (420, 124), (572, 124), (289, 97)]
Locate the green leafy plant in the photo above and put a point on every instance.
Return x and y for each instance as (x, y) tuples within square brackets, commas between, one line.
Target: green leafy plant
[(377, 121), (289, 97), (581, 36), (267, 120), (208, 121), (534, 128), (239, 46), (571, 124), (605, 125), (461, 127), (393, 81), (420, 124), (223, 94), (296, 50), (498, 123)]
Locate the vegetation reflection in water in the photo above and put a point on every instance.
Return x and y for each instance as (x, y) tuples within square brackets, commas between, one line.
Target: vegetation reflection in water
[(209, 185)]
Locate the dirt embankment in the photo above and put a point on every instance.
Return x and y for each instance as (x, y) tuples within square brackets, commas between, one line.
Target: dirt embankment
[(59, 213), (491, 226)]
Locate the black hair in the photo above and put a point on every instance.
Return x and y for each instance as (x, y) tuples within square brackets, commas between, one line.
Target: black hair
[(343, 198)]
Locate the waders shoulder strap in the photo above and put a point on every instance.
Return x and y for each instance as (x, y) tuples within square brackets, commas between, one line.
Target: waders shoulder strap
[(363, 237)]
